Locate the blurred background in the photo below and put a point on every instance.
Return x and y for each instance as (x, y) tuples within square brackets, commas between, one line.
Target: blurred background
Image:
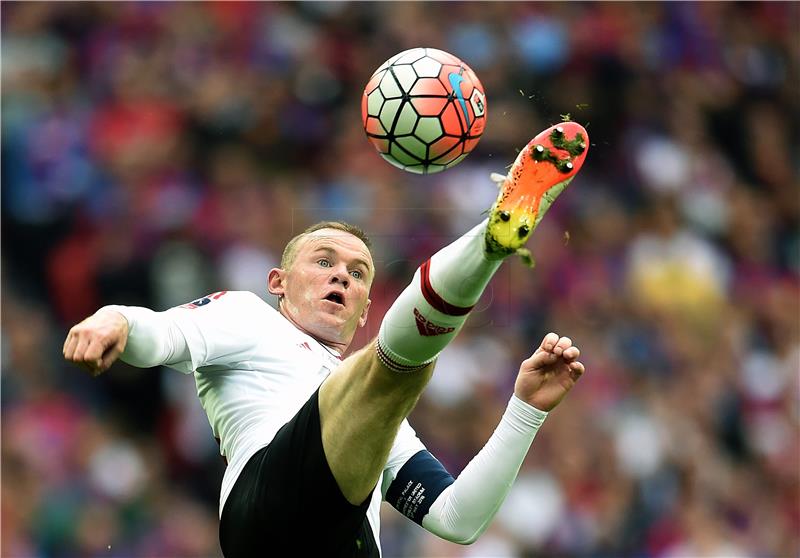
[(155, 152)]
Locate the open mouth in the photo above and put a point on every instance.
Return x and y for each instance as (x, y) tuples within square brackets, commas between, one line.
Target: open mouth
[(338, 298)]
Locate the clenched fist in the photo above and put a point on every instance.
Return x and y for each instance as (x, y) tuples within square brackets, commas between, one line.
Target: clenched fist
[(97, 341)]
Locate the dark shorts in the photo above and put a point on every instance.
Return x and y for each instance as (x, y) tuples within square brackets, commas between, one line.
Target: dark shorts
[(287, 503)]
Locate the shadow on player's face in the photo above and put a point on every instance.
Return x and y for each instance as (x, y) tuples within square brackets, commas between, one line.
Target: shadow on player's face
[(325, 291)]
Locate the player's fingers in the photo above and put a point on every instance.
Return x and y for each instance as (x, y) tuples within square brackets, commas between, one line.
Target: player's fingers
[(562, 344), (540, 359), (110, 357), (549, 341), (94, 353), (69, 345), (80, 349), (576, 370), (571, 353), (72, 346), (66, 343)]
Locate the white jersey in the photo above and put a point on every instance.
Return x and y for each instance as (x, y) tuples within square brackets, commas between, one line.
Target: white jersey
[(254, 370)]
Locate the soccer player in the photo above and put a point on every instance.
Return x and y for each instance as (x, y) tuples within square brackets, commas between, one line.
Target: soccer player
[(314, 442)]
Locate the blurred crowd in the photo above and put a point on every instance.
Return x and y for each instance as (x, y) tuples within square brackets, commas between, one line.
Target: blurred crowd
[(155, 152)]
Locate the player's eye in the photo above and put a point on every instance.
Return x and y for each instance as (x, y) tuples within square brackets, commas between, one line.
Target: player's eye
[(323, 262), (356, 274)]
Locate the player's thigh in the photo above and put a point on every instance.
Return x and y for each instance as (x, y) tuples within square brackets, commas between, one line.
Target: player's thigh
[(363, 387), (362, 405)]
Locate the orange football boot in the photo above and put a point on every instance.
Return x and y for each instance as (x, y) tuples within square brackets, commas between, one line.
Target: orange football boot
[(542, 171)]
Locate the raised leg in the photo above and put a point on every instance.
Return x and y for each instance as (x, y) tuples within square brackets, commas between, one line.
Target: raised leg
[(361, 406), (364, 402)]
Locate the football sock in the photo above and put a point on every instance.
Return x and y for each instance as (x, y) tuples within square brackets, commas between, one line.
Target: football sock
[(431, 310)]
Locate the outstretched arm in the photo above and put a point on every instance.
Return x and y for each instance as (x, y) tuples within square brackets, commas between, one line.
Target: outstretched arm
[(139, 336), (221, 328), (463, 508)]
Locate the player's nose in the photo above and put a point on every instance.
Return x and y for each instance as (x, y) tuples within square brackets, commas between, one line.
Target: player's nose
[(340, 275)]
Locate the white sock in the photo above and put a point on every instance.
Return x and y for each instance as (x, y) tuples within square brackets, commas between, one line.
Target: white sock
[(431, 310)]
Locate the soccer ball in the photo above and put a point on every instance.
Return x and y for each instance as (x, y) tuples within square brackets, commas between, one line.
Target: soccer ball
[(424, 110)]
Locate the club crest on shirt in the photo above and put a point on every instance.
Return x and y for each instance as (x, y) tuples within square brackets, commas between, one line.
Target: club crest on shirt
[(427, 328), (202, 301)]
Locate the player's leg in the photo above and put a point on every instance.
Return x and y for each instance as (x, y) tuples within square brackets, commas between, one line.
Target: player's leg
[(361, 406), (363, 403)]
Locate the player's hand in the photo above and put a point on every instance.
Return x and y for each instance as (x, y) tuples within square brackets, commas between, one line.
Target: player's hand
[(96, 342), (550, 372)]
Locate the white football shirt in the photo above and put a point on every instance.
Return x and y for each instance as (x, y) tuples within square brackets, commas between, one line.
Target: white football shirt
[(254, 370)]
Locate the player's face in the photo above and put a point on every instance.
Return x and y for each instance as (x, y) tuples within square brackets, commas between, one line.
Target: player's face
[(326, 289)]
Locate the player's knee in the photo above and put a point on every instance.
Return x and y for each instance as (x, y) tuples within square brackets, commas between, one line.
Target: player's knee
[(374, 375), (382, 375)]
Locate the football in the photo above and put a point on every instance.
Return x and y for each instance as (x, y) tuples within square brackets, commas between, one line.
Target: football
[(424, 110)]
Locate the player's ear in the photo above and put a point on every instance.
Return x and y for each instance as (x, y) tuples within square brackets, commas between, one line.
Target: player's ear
[(276, 281), (362, 320)]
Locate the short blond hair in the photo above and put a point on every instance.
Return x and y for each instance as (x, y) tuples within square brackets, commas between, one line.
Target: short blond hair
[(290, 252)]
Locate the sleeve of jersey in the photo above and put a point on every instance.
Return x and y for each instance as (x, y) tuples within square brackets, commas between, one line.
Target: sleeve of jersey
[(464, 508), (412, 477), (153, 339), (189, 337), (406, 445), (418, 483)]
